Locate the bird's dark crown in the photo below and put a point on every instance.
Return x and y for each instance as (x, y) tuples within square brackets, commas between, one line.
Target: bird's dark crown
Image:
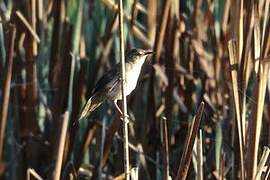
[(133, 54)]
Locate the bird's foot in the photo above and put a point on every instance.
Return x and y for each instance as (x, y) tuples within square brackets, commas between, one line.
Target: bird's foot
[(125, 119), (122, 117)]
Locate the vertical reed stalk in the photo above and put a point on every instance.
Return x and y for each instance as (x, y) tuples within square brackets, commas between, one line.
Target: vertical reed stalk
[(123, 79), (199, 156), (165, 150), (6, 89), (234, 75), (62, 140), (186, 157), (161, 35)]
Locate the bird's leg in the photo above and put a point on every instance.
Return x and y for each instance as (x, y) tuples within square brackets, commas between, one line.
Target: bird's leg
[(117, 107), (119, 110)]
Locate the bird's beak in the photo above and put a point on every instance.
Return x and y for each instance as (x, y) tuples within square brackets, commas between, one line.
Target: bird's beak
[(147, 52)]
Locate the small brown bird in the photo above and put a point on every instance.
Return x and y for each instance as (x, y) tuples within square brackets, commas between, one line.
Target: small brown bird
[(109, 85)]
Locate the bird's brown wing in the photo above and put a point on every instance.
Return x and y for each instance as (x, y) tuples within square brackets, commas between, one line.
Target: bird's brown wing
[(107, 81), (99, 94), (93, 102)]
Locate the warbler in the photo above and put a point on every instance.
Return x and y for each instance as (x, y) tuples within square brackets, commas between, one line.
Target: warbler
[(109, 85)]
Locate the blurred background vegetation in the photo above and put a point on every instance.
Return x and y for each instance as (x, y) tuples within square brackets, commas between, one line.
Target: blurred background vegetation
[(52, 52)]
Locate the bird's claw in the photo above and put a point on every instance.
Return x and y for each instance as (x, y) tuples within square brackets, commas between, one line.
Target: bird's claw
[(125, 118)]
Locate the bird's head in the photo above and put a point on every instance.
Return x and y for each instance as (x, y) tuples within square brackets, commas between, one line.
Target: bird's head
[(137, 54)]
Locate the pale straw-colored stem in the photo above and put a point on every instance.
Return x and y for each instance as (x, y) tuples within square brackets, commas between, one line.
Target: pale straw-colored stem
[(123, 79)]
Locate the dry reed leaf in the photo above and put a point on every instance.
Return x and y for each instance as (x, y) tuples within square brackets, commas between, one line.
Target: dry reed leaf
[(40, 10), (28, 26), (134, 12), (186, 156), (161, 74), (160, 110), (86, 171), (33, 24), (256, 123), (6, 89), (49, 7), (198, 47), (120, 177), (162, 27), (141, 7), (142, 37), (264, 157), (31, 173), (267, 173), (110, 4), (240, 27), (180, 69), (247, 44), (246, 64), (140, 151), (61, 143), (165, 147), (266, 11), (199, 156), (206, 98), (236, 30), (234, 74), (257, 43), (225, 17), (151, 19), (180, 101), (109, 139), (86, 141)]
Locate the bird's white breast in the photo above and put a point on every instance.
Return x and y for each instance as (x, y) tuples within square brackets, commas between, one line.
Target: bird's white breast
[(132, 74)]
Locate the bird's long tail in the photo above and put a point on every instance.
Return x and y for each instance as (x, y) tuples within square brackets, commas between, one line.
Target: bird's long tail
[(94, 102)]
